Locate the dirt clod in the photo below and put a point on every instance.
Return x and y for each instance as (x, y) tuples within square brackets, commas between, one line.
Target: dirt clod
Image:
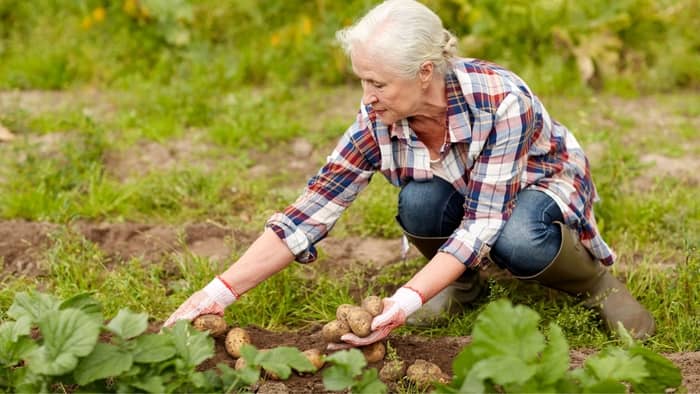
[(393, 371), (424, 373)]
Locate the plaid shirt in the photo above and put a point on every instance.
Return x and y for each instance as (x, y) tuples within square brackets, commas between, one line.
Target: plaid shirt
[(501, 141)]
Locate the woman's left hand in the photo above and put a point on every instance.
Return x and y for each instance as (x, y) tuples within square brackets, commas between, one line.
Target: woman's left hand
[(396, 309), (382, 325)]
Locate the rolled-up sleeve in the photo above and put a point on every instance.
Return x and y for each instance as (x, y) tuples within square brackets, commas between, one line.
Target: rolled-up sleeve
[(494, 181), (309, 219)]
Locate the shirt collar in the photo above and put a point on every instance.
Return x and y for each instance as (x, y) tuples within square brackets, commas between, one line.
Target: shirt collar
[(457, 109)]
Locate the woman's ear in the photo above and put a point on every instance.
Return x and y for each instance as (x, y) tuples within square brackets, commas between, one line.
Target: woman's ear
[(425, 73)]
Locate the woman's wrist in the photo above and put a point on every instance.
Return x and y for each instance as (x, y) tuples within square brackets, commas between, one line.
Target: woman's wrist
[(221, 292), (408, 299)]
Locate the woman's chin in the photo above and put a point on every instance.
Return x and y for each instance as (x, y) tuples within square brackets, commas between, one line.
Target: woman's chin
[(385, 118)]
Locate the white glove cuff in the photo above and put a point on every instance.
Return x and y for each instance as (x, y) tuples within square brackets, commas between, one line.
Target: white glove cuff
[(407, 299), (219, 292)]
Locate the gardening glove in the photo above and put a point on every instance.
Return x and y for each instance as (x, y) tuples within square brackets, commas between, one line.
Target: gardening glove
[(396, 309), (212, 299)]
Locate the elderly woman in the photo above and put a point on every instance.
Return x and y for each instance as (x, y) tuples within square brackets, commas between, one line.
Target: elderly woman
[(484, 173)]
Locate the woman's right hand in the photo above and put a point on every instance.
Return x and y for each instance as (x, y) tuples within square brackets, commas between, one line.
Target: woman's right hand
[(212, 299)]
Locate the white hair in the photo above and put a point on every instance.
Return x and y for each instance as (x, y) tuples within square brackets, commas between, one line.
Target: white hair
[(403, 34)]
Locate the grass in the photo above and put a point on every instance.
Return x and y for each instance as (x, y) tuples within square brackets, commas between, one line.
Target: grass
[(68, 178)]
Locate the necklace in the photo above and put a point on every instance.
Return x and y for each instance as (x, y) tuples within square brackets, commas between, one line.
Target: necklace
[(446, 133)]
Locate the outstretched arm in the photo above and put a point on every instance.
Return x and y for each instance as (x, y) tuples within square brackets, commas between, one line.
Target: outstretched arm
[(265, 257)]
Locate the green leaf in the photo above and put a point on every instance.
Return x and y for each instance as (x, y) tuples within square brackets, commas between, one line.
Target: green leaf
[(617, 365), (153, 348), (504, 370), (151, 384), (351, 359), (663, 373), (201, 380), (281, 360), (249, 375), (15, 343), (473, 382), (192, 346), (554, 361), (346, 365), (33, 305), (68, 334), (461, 365), (504, 330), (13, 330), (105, 361), (85, 303), (249, 354), (12, 353), (369, 383), (30, 383), (606, 387), (234, 380), (128, 324), (337, 378)]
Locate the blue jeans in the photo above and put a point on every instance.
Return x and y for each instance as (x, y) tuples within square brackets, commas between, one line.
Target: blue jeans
[(528, 243)]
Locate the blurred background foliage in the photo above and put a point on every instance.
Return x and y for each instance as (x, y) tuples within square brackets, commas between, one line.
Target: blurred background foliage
[(623, 46)]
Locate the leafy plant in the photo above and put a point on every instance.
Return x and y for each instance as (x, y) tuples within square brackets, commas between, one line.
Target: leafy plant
[(347, 373), (57, 344), (508, 353), (66, 349)]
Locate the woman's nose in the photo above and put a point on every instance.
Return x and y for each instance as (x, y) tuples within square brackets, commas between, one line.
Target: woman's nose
[(368, 97)]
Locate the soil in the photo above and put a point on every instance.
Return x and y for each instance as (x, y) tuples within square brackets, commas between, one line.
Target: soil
[(23, 243)]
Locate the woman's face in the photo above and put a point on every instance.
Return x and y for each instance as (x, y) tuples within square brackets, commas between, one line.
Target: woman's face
[(392, 97)]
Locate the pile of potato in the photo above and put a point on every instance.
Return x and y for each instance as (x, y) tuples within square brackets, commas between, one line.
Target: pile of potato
[(349, 318), (358, 320), (237, 337)]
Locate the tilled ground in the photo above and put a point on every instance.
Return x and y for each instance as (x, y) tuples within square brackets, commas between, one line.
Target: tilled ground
[(22, 244)]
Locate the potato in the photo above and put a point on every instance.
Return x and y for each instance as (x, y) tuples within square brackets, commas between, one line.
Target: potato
[(333, 330), (360, 321), (374, 352), (423, 373), (341, 313), (271, 375), (373, 305), (240, 363), (236, 338), (316, 357), (215, 324), (393, 371)]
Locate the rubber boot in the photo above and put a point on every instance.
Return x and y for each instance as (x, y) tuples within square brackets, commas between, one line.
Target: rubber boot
[(451, 299), (574, 271)]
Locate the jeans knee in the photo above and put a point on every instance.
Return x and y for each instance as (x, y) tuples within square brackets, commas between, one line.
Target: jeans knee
[(418, 209), (425, 208), (526, 252)]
